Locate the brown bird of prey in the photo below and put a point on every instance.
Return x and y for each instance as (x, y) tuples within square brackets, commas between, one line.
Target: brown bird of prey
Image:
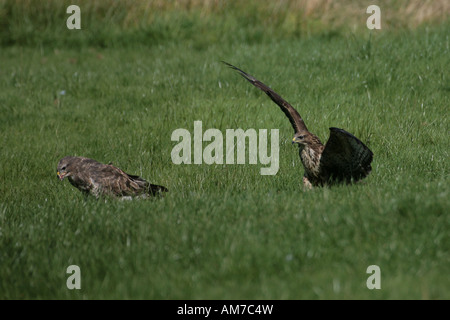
[(98, 179), (343, 159)]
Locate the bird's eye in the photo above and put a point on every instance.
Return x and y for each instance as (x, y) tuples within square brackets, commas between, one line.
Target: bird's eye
[(301, 137), (63, 168)]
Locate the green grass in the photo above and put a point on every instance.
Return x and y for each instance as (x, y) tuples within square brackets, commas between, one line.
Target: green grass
[(225, 231)]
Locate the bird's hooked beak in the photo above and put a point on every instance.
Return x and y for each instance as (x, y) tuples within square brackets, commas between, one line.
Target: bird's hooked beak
[(294, 140), (61, 176)]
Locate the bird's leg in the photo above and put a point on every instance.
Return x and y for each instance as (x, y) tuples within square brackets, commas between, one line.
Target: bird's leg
[(306, 183)]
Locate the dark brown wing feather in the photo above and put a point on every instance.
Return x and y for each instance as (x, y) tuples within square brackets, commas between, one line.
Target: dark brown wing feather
[(124, 184), (146, 186), (345, 158), (292, 114)]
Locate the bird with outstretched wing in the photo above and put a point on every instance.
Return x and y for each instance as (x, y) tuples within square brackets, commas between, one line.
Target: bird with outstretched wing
[(343, 159), (98, 179)]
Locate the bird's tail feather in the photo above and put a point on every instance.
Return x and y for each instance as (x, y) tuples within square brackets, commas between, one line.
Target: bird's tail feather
[(155, 189), (151, 189)]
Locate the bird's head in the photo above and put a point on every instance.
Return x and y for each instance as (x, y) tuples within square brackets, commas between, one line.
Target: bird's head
[(64, 167), (302, 139)]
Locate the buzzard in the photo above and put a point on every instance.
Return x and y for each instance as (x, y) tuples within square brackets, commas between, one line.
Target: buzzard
[(343, 159), (98, 179)]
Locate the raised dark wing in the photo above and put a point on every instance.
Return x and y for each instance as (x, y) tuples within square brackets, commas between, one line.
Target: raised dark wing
[(292, 114), (345, 158)]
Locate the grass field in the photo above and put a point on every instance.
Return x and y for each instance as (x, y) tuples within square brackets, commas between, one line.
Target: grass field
[(223, 231)]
